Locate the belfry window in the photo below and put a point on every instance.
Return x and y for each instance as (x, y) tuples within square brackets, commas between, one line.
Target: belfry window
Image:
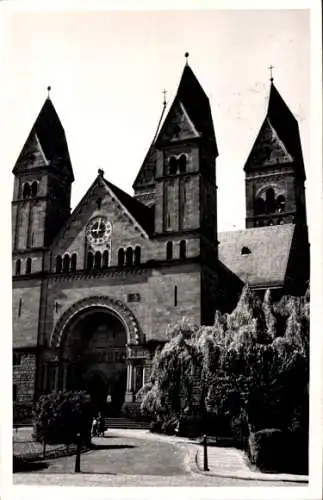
[(182, 163), (172, 162), (245, 251), (34, 188), (169, 250), (26, 191), (18, 267), (280, 204), (28, 266), (182, 249), (270, 201)]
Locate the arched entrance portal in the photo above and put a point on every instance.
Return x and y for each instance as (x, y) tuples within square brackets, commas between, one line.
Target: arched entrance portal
[(93, 353)]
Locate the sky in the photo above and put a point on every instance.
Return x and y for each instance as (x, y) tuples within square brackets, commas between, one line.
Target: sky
[(107, 71)]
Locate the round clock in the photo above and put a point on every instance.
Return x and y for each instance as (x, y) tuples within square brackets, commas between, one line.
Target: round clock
[(98, 231)]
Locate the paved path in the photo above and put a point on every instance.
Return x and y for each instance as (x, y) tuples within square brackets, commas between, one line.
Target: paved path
[(140, 458)]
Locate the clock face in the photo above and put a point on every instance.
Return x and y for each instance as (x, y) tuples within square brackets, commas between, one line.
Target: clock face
[(98, 231)]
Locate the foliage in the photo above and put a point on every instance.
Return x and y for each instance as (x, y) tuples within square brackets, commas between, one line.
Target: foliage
[(245, 373), (60, 416)]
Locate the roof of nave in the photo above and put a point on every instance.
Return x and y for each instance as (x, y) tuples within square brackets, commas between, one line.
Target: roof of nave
[(265, 257)]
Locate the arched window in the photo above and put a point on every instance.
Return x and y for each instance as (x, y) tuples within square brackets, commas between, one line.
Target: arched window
[(270, 201), (280, 204), (182, 164), (105, 263), (28, 266), (129, 256), (18, 267), (137, 255), (34, 188), (58, 264), (97, 260), (259, 206), (66, 263), (90, 261), (172, 162), (26, 191), (182, 249), (121, 257), (169, 250), (73, 262)]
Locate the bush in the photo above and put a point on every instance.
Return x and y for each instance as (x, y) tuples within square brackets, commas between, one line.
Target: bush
[(59, 417), (267, 449), (190, 426)]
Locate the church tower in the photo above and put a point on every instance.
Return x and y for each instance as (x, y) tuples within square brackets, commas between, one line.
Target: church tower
[(186, 150), (275, 174), (42, 191)]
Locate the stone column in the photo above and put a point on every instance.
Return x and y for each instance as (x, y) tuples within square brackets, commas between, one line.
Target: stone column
[(56, 377), (143, 375), (65, 367), (129, 391), (45, 379)]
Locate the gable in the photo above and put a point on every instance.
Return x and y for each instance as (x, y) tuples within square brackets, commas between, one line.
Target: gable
[(32, 154), (178, 126), (99, 202), (268, 148)]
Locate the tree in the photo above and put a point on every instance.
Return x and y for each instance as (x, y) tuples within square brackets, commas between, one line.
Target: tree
[(59, 417)]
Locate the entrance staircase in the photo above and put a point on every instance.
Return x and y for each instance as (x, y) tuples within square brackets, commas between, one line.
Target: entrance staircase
[(124, 423)]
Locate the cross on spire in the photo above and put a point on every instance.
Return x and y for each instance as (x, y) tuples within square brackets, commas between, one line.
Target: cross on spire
[(164, 92), (271, 67)]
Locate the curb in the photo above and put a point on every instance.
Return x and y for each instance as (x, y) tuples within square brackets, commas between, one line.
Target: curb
[(286, 478)]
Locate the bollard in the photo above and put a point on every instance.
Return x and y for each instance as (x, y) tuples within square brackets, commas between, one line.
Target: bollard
[(44, 448), (206, 468), (78, 454)]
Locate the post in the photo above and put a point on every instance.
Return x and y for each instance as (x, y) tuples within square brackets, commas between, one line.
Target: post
[(206, 468), (44, 447), (78, 454)]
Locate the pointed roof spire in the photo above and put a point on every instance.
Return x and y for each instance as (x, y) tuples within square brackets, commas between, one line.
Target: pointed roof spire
[(49, 132), (196, 103), (187, 56), (271, 67), (49, 88)]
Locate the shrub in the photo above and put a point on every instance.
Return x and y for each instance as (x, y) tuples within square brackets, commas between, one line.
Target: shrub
[(59, 417), (267, 449)]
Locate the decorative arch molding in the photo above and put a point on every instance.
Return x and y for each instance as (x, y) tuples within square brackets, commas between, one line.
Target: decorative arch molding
[(117, 307)]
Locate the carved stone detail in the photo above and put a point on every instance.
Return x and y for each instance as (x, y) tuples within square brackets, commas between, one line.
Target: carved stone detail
[(134, 334)]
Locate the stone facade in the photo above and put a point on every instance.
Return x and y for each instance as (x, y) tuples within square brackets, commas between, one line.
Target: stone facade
[(94, 290)]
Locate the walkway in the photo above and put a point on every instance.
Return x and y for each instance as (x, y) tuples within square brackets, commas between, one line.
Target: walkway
[(131, 457)]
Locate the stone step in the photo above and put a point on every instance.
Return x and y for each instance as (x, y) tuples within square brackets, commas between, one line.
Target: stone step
[(124, 423)]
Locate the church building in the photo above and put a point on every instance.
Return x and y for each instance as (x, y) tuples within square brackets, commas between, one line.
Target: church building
[(94, 289)]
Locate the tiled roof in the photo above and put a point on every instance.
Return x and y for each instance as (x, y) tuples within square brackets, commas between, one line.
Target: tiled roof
[(265, 256), (147, 172), (140, 212), (51, 136)]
